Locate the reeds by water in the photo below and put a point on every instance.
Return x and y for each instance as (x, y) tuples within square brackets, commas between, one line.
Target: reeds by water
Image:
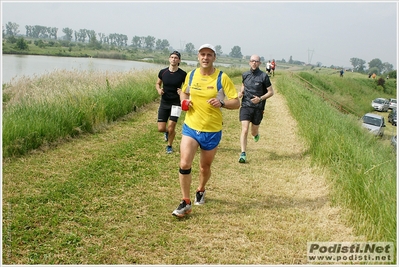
[(63, 103)]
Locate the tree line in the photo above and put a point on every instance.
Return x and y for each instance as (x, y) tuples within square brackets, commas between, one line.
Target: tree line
[(102, 40), (375, 66), (97, 40)]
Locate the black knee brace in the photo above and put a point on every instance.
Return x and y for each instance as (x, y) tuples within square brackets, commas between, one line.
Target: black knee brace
[(184, 171)]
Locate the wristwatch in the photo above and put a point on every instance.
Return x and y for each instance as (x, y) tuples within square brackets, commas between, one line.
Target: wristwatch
[(221, 103)]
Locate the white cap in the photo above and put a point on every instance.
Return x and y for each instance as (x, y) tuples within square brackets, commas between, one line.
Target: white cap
[(207, 46)]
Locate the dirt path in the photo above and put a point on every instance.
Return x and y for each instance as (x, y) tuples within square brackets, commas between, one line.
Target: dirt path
[(292, 197)]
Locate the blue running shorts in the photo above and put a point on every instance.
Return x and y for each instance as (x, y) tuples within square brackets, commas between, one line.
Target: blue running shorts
[(206, 140)]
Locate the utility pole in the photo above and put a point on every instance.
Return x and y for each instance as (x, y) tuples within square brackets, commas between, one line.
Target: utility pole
[(182, 45), (310, 56)]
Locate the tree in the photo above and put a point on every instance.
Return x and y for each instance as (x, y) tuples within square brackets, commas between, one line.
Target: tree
[(358, 64), (373, 70), (93, 43), (28, 30), (112, 38), (22, 44), (102, 37), (136, 41), (53, 32), (118, 39), (387, 67), (158, 44), (165, 44), (123, 39), (12, 29), (91, 34), (190, 48), (376, 63), (149, 42), (82, 35), (218, 50), (236, 52), (161, 44), (290, 61), (68, 33)]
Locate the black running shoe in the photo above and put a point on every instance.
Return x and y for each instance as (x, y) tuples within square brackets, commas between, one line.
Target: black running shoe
[(199, 198), (182, 210)]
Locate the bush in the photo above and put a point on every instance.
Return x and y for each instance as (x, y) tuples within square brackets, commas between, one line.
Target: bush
[(39, 43), (381, 81), (380, 88), (392, 74), (21, 44), (12, 39)]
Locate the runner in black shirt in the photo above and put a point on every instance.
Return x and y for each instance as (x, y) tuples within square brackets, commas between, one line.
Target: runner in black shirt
[(168, 85)]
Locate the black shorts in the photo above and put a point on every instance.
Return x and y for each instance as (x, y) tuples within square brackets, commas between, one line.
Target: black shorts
[(253, 115), (164, 112)]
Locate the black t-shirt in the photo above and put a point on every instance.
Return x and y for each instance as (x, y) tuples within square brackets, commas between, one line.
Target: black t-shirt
[(255, 84), (170, 82)]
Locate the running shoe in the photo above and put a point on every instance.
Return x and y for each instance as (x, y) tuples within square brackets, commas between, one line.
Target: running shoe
[(243, 157), (256, 138), (169, 149), (182, 210), (199, 198), (166, 136)]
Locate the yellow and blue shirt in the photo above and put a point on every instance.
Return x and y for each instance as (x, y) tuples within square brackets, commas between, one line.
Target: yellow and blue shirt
[(202, 116)]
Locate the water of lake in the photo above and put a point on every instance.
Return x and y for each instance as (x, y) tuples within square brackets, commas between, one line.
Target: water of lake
[(17, 66)]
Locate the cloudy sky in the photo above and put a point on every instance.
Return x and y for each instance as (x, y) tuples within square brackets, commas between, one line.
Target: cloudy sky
[(327, 32)]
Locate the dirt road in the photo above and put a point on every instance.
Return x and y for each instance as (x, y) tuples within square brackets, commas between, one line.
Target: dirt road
[(290, 196)]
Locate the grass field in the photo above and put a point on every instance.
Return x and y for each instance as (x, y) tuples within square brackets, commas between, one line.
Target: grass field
[(106, 195)]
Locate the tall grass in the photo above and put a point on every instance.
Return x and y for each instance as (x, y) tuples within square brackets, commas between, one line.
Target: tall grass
[(362, 169), (63, 104)]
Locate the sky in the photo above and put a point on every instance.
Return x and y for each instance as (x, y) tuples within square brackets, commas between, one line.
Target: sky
[(330, 33)]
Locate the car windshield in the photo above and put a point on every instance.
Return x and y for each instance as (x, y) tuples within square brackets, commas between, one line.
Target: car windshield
[(393, 101), (372, 120), (379, 101)]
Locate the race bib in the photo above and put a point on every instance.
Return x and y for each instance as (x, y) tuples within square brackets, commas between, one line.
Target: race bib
[(176, 111)]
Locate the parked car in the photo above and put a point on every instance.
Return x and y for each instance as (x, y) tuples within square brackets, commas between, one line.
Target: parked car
[(392, 103), (392, 117), (374, 123), (393, 142), (380, 104)]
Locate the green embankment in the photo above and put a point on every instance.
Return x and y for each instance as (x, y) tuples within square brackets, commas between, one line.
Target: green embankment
[(362, 167), (100, 190)]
